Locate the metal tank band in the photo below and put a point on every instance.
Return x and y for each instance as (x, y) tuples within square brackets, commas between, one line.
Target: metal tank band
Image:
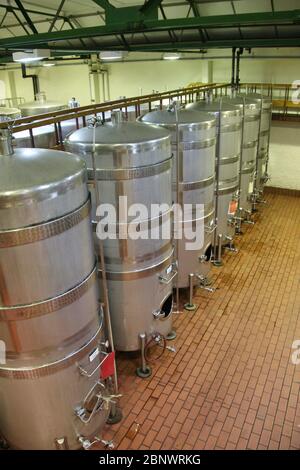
[(133, 275), (27, 235), (25, 312), (195, 184), (132, 173), (197, 145), (52, 368), (140, 259)]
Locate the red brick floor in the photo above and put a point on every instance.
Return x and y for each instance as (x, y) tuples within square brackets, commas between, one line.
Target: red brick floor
[(231, 384)]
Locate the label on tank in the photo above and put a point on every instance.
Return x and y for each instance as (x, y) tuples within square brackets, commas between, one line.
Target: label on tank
[(251, 187), (232, 208), (94, 354), (263, 169)]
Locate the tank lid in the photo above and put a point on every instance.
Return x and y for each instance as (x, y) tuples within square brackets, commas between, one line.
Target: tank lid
[(37, 174), (185, 116), (214, 107), (238, 101), (256, 97), (8, 111), (42, 105), (122, 133)]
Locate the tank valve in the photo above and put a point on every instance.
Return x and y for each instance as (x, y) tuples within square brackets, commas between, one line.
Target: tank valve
[(204, 283), (230, 246), (87, 444)]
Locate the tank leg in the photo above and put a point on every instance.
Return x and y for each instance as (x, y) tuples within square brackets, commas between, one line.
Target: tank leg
[(218, 261), (254, 201), (144, 371), (190, 306), (239, 220), (115, 415)]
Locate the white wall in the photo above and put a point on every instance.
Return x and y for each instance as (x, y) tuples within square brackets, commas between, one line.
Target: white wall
[(129, 79), (284, 163), (132, 78), (59, 83)]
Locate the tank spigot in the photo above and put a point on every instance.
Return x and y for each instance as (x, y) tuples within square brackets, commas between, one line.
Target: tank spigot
[(87, 444), (95, 121)]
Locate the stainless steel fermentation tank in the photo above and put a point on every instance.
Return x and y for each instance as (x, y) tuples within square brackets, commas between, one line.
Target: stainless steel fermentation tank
[(7, 114), (41, 106), (51, 322), (227, 164), (197, 146), (261, 177), (133, 160), (251, 116)]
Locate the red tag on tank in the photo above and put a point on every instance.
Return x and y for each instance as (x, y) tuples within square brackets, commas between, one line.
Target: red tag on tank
[(232, 207), (108, 366)]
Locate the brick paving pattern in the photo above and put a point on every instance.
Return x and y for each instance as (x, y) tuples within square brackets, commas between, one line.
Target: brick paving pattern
[(231, 384)]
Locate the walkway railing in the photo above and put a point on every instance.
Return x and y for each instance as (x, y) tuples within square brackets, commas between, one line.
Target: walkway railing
[(283, 107)]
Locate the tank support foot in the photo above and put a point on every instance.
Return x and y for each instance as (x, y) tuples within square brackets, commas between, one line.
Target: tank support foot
[(190, 306), (172, 335), (144, 371), (115, 415)]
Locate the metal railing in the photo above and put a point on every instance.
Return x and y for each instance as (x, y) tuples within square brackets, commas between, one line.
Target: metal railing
[(285, 106), (12, 102), (133, 107)]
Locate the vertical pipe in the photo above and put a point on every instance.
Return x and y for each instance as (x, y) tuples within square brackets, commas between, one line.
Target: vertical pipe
[(31, 138), (177, 197), (233, 67), (102, 264), (257, 156), (237, 70), (218, 151), (241, 163), (56, 133)]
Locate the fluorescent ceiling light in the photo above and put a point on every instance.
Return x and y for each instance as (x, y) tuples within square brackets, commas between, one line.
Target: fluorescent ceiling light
[(112, 55), (34, 55), (48, 64), (171, 56)]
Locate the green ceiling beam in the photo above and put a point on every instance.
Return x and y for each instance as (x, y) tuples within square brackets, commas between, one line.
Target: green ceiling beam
[(149, 6), (151, 25), (183, 45), (104, 4)]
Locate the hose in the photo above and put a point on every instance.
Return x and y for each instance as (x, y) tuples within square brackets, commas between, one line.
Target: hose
[(154, 341)]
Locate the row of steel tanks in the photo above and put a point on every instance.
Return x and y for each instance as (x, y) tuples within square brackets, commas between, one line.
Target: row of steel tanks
[(242, 153), (52, 337)]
